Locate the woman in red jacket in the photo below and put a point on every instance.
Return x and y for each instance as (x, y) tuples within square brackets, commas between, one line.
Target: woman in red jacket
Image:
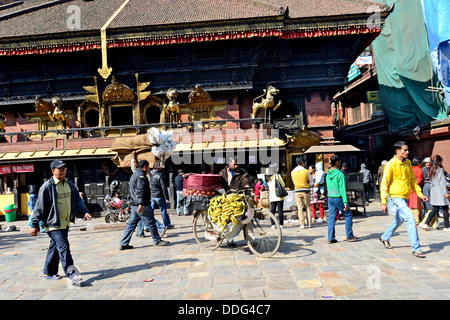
[(415, 203)]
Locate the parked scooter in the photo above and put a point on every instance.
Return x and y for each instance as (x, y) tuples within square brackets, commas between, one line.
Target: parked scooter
[(117, 210)]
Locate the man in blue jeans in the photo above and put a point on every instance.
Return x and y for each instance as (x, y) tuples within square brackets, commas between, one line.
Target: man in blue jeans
[(337, 200), (140, 207), (56, 206), (160, 196), (396, 185)]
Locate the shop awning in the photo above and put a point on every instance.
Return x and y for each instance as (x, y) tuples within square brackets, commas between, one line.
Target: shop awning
[(333, 149), (82, 153), (221, 145)]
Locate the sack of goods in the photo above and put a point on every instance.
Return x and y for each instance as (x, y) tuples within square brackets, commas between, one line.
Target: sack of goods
[(199, 188), (225, 210), (203, 182)]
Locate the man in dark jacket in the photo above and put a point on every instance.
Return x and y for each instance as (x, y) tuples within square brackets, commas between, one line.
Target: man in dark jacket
[(141, 208), (236, 177), (160, 196), (57, 203)]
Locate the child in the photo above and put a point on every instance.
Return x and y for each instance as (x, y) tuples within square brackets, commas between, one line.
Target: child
[(259, 186), (320, 180)]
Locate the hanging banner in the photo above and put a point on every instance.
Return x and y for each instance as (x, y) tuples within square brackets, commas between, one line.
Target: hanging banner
[(20, 168), (5, 169)]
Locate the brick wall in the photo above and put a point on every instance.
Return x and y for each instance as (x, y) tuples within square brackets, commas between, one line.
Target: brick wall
[(318, 112)]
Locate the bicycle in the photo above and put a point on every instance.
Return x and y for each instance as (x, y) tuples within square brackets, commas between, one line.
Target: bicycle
[(261, 228)]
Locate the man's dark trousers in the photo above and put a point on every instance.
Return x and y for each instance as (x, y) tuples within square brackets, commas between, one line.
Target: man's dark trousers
[(59, 250)]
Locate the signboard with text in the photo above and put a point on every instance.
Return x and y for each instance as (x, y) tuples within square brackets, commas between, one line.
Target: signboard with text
[(364, 60), (20, 168), (5, 169)]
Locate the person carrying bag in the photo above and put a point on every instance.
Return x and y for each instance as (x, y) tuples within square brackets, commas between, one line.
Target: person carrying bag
[(276, 187)]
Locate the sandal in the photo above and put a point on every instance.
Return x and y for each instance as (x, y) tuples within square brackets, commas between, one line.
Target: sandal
[(385, 243), (54, 277), (418, 254)]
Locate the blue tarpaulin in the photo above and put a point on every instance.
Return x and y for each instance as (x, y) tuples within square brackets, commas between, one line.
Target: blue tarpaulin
[(437, 17)]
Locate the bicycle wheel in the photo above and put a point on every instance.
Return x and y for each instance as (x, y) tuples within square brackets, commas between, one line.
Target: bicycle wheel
[(204, 232), (263, 239)]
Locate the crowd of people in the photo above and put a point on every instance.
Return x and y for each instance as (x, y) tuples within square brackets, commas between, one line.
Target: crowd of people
[(414, 192)]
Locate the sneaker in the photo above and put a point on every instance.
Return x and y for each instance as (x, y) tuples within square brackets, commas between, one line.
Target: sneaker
[(302, 227), (425, 227), (162, 243), (447, 229), (273, 226), (319, 220), (127, 247)]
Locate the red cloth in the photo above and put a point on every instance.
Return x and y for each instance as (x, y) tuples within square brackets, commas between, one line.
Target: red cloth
[(414, 200), (206, 181), (419, 175)]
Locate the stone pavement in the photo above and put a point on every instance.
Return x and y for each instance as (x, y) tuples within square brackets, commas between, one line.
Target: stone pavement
[(306, 266)]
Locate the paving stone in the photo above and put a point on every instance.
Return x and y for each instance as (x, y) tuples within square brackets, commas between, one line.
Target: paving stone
[(306, 267)]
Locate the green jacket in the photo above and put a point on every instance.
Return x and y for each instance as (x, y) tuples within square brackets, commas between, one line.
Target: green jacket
[(336, 185)]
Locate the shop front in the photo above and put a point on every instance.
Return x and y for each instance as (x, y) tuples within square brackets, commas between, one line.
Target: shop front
[(13, 188)]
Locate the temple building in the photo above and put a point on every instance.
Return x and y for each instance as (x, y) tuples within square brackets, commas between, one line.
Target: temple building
[(227, 77)]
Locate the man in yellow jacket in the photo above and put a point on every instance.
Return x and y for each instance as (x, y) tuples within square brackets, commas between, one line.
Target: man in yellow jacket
[(302, 179), (398, 180)]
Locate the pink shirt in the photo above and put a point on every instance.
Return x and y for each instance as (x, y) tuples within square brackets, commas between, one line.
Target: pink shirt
[(258, 188)]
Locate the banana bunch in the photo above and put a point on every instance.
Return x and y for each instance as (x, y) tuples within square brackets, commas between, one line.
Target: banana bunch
[(226, 208)]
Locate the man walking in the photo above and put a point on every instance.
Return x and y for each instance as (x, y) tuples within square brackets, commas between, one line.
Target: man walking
[(140, 207), (57, 203), (160, 196), (398, 180), (337, 200)]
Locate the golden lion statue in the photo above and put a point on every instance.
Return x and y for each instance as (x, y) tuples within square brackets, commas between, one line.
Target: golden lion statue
[(267, 102), (173, 107)]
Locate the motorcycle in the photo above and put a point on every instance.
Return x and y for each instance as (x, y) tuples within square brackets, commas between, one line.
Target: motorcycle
[(117, 210)]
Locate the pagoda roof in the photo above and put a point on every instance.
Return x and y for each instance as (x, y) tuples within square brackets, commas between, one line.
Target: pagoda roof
[(43, 26)]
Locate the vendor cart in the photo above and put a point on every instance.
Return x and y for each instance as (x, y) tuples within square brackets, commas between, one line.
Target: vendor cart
[(261, 228)]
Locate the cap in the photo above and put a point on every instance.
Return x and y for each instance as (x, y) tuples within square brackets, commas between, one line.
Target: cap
[(57, 164), (427, 159), (180, 170)]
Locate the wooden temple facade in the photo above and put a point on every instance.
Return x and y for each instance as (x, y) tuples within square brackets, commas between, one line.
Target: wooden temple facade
[(75, 75)]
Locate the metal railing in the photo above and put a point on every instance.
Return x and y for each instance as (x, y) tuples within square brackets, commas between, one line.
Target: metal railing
[(98, 132)]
